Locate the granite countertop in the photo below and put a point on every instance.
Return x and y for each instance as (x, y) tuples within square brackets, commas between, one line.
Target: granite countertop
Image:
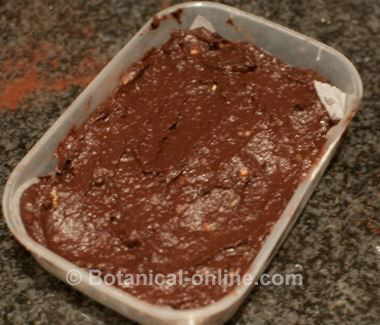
[(52, 49)]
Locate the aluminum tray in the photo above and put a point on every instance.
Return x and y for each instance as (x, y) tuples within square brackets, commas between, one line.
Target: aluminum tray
[(290, 46)]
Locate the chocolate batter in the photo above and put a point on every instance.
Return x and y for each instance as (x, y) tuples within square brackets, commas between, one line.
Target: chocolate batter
[(184, 169)]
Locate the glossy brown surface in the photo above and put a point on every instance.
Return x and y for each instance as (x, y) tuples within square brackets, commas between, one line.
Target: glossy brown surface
[(184, 169)]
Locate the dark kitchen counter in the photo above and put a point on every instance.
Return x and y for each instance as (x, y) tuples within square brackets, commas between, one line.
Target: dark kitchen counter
[(51, 49)]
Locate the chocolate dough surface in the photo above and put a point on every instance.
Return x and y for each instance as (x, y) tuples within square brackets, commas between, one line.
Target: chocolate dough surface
[(184, 168)]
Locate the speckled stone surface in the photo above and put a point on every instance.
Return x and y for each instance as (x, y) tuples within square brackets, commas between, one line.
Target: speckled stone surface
[(335, 245)]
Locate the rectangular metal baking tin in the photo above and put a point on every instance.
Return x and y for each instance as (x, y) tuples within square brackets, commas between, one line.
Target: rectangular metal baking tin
[(290, 46)]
